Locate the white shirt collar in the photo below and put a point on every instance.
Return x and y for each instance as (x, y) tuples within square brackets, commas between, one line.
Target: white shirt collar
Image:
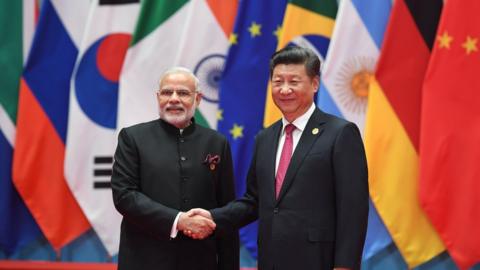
[(301, 122)]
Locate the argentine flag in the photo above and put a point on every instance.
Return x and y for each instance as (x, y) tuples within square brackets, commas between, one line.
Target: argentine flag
[(349, 66)]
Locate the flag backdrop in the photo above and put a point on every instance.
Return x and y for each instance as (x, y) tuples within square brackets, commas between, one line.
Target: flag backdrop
[(346, 75), (448, 185), (42, 123), (170, 33), (17, 226), (93, 114), (243, 88), (307, 23), (392, 128), (450, 153)]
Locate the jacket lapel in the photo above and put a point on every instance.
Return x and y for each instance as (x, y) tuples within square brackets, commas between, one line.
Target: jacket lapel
[(271, 157), (304, 145)]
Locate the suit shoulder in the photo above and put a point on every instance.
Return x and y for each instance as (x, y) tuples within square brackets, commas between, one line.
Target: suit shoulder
[(141, 127), (337, 122)]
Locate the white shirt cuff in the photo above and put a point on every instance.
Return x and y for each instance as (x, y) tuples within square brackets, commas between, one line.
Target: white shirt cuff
[(174, 231)]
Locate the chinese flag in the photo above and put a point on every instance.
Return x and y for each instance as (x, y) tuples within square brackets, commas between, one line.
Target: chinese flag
[(450, 133)]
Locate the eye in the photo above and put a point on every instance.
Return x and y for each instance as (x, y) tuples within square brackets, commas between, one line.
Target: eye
[(183, 93), (166, 92)]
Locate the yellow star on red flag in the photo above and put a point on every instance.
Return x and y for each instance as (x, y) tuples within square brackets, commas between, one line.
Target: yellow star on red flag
[(444, 40), (470, 45)]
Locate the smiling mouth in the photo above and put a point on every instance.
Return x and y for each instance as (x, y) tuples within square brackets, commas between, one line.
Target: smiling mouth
[(287, 100), (175, 110)]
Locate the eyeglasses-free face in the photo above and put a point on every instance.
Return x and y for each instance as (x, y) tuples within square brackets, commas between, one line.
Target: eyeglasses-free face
[(293, 89)]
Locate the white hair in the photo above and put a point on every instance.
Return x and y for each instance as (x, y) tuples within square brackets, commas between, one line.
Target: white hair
[(182, 70)]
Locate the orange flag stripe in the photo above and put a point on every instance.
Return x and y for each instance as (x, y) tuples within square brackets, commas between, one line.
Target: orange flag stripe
[(225, 12)]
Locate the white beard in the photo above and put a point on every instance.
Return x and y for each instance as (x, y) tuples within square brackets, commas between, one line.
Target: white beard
[(178, 120)]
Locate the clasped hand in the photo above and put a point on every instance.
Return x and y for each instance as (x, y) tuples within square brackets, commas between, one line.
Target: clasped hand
[(196, 223)]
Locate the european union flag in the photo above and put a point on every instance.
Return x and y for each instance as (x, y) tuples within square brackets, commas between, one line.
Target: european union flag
[(243, 88)]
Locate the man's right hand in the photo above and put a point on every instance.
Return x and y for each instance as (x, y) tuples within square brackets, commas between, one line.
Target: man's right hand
[(195, 224)]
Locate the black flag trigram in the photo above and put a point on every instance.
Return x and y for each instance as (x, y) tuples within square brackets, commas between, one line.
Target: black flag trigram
[(102, 171)]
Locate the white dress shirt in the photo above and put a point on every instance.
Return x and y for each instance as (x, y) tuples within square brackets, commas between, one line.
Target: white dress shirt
[(299, 124)]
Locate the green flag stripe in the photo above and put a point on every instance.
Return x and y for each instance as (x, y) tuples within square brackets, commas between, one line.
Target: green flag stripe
[(327, 8), (11, 59), (152, 14), (199, 119)]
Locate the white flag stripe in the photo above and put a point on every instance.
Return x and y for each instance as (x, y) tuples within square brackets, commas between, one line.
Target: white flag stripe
[(73, 18), (28, 26), (7, 127)]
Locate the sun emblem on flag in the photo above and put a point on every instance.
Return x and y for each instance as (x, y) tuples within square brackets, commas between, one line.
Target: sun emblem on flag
[(352, 83), (209, 71)]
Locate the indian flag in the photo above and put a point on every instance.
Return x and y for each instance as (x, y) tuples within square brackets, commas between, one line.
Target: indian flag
[(192, 34)]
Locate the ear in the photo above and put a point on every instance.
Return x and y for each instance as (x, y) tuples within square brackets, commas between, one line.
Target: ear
[(198, 98), (316, 83)]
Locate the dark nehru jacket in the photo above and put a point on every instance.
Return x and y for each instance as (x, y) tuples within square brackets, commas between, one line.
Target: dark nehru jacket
[(159, 171)]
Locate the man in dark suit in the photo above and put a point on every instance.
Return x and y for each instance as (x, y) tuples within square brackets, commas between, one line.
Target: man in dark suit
[(162, 169), (307, 182)]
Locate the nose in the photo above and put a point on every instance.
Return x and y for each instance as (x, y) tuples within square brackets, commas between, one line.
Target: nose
[(174, 98), (285, 89)]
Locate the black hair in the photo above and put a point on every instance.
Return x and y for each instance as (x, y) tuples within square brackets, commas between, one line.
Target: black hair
[(296, 55)]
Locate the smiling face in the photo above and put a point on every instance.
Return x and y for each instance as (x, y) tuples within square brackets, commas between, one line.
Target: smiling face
[(178, 99), (293, 90)]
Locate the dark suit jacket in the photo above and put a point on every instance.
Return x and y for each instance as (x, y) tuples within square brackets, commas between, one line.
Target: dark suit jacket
[(320, 218), (159, 172)]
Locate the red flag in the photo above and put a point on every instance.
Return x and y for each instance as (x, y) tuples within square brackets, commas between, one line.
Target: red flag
[(450, 130)]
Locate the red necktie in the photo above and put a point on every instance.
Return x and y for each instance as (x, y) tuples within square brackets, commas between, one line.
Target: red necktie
[(284, 158)]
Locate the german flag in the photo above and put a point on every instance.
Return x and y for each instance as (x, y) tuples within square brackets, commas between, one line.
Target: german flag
[(450, 129), (393, 125), (302, 17)]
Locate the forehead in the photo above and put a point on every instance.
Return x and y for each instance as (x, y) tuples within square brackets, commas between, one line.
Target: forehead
[(178, 80), (289, 70)]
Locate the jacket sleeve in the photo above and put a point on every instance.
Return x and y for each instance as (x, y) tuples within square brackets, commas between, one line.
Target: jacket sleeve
[(228, 245), (351, 197), (242, 211), (128, 199)]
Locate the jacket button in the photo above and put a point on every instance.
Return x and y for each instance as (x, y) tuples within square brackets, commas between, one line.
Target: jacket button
[(183, 158), (275, 210), (182, 140), (185, 200)]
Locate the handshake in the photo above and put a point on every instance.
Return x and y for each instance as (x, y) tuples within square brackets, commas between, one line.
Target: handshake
[(196, 223)]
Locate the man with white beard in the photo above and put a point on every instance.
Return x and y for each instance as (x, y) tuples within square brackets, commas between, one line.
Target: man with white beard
[(164, 168)]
